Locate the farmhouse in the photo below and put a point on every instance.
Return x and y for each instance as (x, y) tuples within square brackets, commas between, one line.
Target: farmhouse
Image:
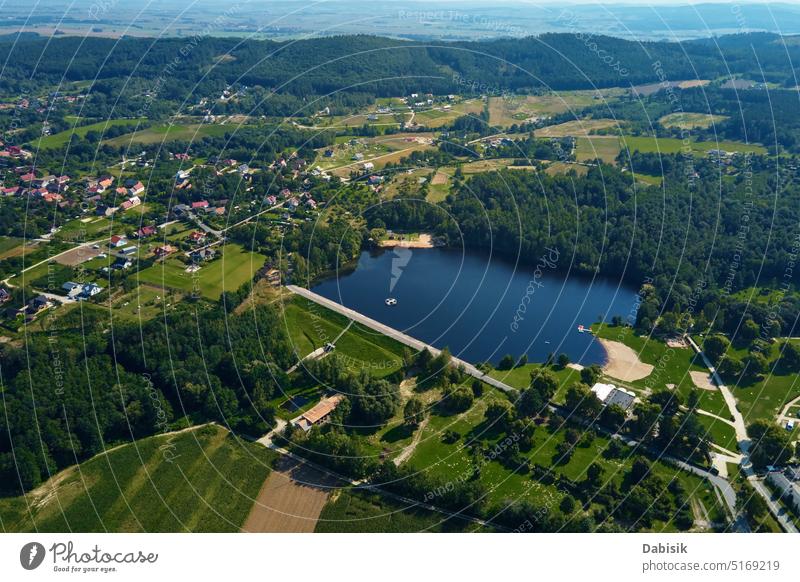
[(319, 414), (609, 394)]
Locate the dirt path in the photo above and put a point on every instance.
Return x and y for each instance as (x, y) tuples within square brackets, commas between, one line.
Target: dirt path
[(291, 499), (623, 362), (406, 453)]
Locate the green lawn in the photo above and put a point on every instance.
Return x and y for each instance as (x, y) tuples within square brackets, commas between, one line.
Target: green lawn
[(233, 269), (721, 433), (59, 139), (520, 377), (363, 512), (173, 132), (671, 367), (87, 229), (311, 326), (767, 397), (669, 145), (209, 486), (453, 461)]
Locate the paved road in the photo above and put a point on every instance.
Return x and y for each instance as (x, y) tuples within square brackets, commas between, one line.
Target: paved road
[(744, 443), (398, 336)]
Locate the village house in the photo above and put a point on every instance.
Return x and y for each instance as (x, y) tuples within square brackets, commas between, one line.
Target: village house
[(199, 204), (132, 202), (203, 255), (117, 241), (4, 295), (164, 250), (197, 236), (146, 231), (319, 414)]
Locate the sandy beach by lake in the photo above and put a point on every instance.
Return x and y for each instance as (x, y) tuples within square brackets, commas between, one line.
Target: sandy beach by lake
[(423, 241), (623, 362)]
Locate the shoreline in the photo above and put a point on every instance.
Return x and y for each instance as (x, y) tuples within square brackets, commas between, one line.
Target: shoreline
[(424, 241)]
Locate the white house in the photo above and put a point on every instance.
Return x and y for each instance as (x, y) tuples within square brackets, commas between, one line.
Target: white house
[(609, 394)]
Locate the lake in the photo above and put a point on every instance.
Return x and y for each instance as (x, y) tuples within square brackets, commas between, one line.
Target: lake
[(482, 307)]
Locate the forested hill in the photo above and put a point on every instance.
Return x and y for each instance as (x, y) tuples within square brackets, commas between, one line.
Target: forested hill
[(372, 66)]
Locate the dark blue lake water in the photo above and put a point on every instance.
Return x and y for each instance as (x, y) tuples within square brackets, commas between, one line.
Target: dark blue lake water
[(480, 307)]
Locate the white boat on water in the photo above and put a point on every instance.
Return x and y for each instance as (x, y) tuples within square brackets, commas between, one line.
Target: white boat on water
[(390, 301)]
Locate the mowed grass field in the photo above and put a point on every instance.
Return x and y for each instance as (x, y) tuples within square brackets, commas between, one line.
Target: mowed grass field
[(606, 148), (670, 145), (311, 326), (691, 120), (364, 512), (59, 139), (456, 460), (579, 127), (209, 486), (233, 269), (173, 132), (506, 111)]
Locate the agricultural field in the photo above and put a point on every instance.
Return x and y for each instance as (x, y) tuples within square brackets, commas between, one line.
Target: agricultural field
[(691, 120), (515, 109), (669, 145), (145, 302), (203, 479), (172, 132), (439, 116), (11, 247), (235, 267), (606, 148), (379, 151), (60, 139), (581, 128)]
